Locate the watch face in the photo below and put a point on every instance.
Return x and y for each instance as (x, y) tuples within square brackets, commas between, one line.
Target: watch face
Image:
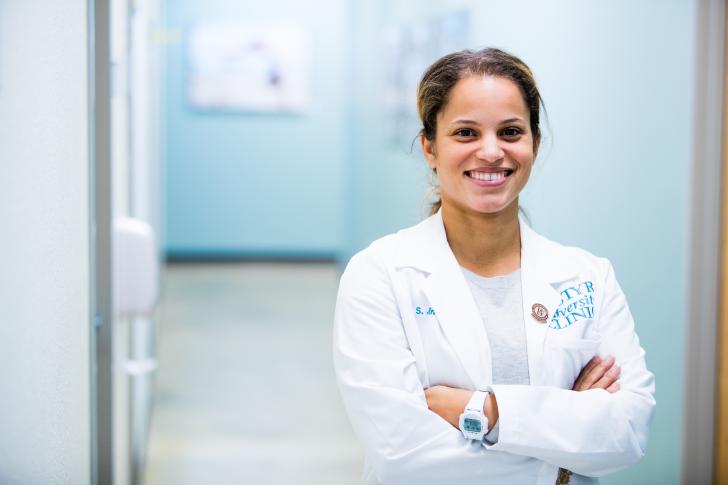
[(471, 425)]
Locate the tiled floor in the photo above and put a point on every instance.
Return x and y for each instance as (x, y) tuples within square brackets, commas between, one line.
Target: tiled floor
[(245, 392)]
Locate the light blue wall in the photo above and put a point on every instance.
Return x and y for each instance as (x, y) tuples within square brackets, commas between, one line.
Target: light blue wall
[(243, 184), (614, 173)]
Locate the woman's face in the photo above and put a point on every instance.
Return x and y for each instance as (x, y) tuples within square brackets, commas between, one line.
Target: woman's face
[(483, 148)]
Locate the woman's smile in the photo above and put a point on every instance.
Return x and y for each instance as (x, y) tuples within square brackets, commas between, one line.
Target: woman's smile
[(489, 177)]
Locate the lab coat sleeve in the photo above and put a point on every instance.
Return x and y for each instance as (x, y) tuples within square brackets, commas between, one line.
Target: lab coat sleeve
[(593, 432), (382, 392)]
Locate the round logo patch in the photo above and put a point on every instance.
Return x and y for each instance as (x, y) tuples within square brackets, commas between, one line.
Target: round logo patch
[(539, 312)]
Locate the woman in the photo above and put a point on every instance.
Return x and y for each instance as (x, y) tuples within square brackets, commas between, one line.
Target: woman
[(468, 347)]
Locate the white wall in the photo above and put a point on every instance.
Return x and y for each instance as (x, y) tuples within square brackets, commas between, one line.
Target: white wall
[(44, 243)]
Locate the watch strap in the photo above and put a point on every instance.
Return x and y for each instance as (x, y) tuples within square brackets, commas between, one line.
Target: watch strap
[(477, 401)]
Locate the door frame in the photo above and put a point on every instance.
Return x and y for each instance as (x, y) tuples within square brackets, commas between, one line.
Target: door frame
[(99, 59), (700, 463), (721, 413)]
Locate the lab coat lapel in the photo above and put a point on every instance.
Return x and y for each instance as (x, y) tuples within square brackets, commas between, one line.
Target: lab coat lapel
[(459, 317), (425, 248), (536, 291), (542, 269)]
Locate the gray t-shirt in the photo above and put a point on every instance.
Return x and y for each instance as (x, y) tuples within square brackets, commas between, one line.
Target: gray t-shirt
[(500, 303), (501, 306)]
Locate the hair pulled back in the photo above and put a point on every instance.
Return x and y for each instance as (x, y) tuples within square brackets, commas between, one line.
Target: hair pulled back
[(440, 78)]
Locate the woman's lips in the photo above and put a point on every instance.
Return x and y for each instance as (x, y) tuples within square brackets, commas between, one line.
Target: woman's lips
[(490, 178)]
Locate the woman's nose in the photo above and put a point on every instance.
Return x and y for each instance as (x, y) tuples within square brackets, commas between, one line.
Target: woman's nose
[(490, 150)]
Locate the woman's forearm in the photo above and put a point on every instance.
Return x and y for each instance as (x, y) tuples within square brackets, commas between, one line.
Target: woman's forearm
[(450, 402)]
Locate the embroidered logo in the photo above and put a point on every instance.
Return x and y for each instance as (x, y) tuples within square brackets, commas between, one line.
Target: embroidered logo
[(420, 311), (577, 303), (539, 312)]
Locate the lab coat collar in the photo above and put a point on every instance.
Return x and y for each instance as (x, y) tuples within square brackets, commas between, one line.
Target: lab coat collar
[(544, 265), (425, 248)]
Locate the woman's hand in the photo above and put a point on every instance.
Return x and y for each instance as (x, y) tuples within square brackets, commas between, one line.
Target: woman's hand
[(598, 374), (449, 403)]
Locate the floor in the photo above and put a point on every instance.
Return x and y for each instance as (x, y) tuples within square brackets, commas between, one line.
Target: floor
[(245, 392)]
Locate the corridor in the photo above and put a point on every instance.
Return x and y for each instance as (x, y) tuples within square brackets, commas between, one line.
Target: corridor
[(245, 392)]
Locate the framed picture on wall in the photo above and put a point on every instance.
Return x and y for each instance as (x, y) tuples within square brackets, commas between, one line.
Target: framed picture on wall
[(248, 69)]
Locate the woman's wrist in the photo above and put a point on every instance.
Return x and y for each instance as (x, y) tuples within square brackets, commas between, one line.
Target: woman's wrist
[(490, 409)]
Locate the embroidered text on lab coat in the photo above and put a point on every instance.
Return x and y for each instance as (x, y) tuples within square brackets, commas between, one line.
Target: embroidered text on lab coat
[(577, 303), (420, 311)]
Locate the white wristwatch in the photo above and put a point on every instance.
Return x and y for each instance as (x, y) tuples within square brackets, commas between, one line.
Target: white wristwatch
[(473, 423)]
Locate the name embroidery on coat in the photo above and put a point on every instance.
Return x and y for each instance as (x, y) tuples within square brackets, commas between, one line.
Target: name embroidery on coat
[(577, 303), (420, 311)]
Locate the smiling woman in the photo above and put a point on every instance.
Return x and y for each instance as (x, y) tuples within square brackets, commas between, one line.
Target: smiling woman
[(483, 158), (525, 368), (483, 77)]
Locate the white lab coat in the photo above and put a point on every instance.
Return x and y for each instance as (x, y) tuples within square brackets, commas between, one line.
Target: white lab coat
[(406, 320)]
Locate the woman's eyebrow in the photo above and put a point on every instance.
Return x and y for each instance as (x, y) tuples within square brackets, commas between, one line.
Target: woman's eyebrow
[(463, 122), (471, 122)]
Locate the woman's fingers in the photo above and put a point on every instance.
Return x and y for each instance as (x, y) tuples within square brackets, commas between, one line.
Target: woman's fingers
[(610, 377), (587, 368), (613, 388), (596, 373), (595, 361)]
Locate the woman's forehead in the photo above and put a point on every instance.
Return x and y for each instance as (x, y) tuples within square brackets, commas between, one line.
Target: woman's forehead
[(479, 98)]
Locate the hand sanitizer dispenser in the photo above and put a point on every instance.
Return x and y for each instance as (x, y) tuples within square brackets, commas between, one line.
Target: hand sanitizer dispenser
[(135, 267)]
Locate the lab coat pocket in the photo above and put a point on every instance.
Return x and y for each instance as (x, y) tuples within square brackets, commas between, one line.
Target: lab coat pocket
[(566, 357)]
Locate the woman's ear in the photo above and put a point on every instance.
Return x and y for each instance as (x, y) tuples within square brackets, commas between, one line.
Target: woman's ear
[(428, 149), (536, 145)]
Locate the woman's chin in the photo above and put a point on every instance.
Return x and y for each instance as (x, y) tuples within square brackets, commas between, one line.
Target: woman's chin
[(481, 206), (492, 208)]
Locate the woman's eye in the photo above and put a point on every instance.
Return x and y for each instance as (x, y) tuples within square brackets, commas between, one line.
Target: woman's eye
[(465, 132), (511, 132)]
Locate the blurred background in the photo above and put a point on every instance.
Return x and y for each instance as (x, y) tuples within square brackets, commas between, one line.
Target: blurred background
[(183, 182)]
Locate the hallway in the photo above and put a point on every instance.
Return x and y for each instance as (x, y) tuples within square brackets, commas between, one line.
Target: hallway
[(245, 391)]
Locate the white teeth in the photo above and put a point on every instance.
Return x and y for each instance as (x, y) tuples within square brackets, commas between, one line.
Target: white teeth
[(489, 176)]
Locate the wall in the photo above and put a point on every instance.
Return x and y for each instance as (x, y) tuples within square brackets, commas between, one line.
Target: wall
[(245, 184), (613, 175), (44, 212)]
